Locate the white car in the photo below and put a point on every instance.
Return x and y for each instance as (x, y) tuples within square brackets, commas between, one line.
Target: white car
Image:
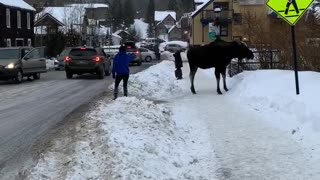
[(147, 55)]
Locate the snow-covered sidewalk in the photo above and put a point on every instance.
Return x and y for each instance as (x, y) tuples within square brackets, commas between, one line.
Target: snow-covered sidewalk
[(165, 132)]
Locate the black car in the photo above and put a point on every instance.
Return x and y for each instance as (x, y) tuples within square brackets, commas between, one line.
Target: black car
[(82, 60)]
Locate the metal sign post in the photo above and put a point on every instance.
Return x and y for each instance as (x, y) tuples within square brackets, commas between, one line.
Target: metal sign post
[(291, 11), (295, 63)]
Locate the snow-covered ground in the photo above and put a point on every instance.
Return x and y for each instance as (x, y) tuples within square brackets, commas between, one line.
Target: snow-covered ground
[(258, 130)]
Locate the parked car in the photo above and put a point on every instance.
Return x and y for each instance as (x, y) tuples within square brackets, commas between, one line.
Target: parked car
[(19, 62), (59, 62), (82, 60), (174, 48), (111, 50), (147, 55), (133, 49)]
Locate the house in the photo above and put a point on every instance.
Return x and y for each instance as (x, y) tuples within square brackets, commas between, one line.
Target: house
[(16, 23), (123, 34), (82, 19), (209, 20), (164, 21)]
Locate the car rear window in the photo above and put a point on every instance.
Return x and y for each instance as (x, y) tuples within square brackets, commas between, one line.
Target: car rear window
[(83, 52)]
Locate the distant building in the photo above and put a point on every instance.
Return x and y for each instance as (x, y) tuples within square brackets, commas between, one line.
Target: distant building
[(16, 23), (165, 20)]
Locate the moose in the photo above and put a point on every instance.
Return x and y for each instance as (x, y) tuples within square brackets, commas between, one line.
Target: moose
[(218, 55)]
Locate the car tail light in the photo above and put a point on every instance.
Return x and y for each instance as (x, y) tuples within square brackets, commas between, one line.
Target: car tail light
[(67, 59), (82, 49), (97, 59)]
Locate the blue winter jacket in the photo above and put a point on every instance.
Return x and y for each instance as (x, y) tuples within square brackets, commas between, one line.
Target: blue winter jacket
[(121, 63)]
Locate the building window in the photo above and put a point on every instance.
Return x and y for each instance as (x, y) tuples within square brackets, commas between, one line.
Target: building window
[(223, 29), (29, 42), (8, 18), (8, 42), (19, 42), (19, 19), (28, 21)]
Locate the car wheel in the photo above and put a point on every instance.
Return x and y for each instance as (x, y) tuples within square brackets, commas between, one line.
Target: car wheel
[(19, 77), (69, 75), (101, 73), (148, 59), (139, 63), (57, 69), (108, 71), (36, 76)]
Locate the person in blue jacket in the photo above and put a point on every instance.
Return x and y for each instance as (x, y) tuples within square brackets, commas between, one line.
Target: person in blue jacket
[(120, 70)]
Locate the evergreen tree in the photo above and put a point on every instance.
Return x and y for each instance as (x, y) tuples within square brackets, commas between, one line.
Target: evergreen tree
[(116, 14), (128, 13), (187, 5), (150, 18), (173, 5)]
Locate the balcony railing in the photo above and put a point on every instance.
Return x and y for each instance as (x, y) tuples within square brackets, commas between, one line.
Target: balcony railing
[(225, 16)]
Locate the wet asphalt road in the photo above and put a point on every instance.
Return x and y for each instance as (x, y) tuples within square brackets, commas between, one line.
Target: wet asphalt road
[(30, 109)]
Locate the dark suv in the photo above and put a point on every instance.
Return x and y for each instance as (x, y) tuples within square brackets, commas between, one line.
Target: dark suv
[(87, 60), (132, 49)]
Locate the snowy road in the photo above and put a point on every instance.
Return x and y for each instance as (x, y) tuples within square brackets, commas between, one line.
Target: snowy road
[(29, 109), (246, 147)]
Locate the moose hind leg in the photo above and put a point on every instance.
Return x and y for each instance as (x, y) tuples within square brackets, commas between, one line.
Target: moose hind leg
[(217, 73), (193, 72), (224, 79)]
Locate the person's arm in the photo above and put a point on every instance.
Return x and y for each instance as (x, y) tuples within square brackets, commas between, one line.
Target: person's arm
[(131, 57)]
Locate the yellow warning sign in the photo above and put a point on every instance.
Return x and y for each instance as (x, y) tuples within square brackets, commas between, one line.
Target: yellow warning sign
[(289, 10)]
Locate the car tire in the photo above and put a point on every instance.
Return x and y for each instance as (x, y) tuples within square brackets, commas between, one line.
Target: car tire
[(148, 59), (19, 77), (139, 63), (108, 71), (57, 69), (69, 75), (101, 73), (36, 76)]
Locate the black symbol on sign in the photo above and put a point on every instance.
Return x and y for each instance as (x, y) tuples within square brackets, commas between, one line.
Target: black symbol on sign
[(293, 2)]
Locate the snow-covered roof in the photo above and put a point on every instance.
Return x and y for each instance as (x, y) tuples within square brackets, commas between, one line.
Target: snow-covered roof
[(67, 15), (18, 4), (202, 6), (161, 15), (92, 5), (119, 31), (172, 28), (199, 1)]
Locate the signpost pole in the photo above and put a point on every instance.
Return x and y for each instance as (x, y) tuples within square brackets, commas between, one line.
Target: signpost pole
[(295, 59)]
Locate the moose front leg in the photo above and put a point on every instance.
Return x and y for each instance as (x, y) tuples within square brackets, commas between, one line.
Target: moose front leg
[(224, 79)]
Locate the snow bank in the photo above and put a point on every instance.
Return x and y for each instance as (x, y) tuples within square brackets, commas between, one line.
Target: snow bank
[(50, 63), (156, 82), (145, 142), (274, 91)]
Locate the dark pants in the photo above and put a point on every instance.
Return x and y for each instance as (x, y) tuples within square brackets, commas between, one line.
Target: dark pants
[(119, 78), (178, 73)]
